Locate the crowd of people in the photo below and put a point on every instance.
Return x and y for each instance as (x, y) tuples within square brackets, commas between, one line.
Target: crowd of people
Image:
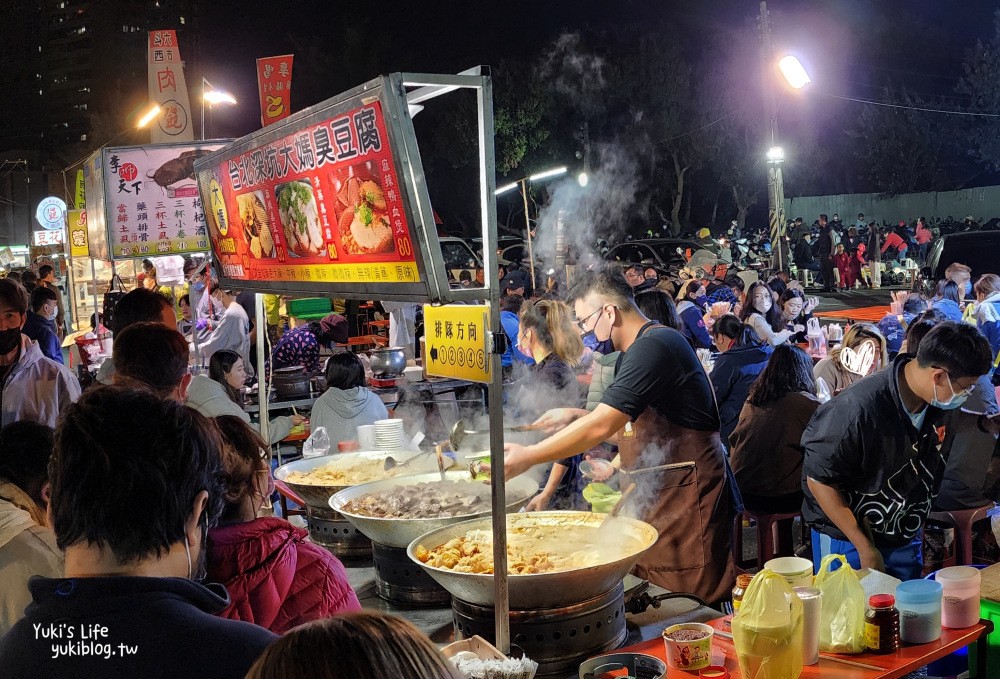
[(844, 257), (141, 505)]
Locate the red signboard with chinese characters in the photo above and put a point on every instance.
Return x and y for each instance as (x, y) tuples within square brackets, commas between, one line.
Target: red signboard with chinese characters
[(322, 204), (274, 84)]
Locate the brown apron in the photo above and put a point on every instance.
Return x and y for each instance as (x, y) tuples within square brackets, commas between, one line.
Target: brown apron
[(690, 507)]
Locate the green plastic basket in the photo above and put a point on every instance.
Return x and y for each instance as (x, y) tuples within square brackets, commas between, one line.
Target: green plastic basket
[(310, 308)]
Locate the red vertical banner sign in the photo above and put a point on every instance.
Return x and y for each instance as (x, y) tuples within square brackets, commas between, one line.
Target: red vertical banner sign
[(168, 89), (274, 84)]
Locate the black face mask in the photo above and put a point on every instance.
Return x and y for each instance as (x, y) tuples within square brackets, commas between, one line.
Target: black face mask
[(9, 340)]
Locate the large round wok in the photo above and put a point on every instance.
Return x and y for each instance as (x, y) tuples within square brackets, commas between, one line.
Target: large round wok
[(544, 590), (401, 532), (319, 496)]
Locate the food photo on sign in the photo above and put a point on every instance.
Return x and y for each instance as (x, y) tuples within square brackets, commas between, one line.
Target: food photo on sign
[(320, 204)]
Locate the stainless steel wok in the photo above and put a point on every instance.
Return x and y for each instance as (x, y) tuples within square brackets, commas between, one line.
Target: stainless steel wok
[(543, 590), (319, 496), (401, 532)]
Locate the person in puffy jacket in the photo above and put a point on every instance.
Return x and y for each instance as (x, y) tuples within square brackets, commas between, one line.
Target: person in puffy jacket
[(221, 394), (987, 290), (692, 312), (949, 301), (275, 577), (744, 356), (347, 403)]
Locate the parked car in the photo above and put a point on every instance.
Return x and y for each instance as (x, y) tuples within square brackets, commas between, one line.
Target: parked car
[(979, 250), (458, 256), (676, 259)]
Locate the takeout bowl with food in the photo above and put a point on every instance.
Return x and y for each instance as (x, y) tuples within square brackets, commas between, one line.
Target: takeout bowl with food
[(316, 479), (555, 558), (402, 499)]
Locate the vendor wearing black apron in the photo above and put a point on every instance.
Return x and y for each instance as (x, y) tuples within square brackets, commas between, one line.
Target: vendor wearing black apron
[(661, 406)]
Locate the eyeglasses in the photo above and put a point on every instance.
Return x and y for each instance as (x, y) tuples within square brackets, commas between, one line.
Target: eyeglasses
[(583, 323), (951, 383)]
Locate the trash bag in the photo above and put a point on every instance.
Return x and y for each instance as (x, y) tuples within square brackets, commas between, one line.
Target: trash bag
[(842, 621), (317, 444), (767, 629)]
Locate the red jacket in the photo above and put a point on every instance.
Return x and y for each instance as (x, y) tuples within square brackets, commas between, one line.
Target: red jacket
[(276, 579)]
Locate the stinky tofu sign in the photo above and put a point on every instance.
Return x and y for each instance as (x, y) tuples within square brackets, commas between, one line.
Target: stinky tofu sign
[(147, 201), (457, 341), (317, 202)]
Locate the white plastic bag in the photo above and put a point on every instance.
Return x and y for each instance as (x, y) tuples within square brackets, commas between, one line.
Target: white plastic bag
[(317, 444)]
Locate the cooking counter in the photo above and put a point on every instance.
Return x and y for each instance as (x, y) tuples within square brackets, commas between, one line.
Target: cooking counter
[(437, 622)]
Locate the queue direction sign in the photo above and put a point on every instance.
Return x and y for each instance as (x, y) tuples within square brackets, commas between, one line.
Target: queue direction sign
[(457, 341)]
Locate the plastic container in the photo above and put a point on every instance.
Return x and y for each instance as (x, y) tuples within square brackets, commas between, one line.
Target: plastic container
[(960, 588), (812, 602), (796, 571), (919, 605), (689, 654)]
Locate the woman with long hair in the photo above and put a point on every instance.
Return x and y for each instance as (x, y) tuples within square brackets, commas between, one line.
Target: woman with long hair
[(765, 452), (221, 393), (347, 403), (949, 300), (848, 363), (656, 305), (761, 314), (275, 576), (366, 645), (987, 290), (795, 310), (743, 356), (548, 335), (691, 310)]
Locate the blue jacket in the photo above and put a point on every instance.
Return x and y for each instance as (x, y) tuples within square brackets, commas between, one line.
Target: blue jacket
[(694, 325), (40, 330), (734, 371), (988, 320), (949, 309), (511, 326)]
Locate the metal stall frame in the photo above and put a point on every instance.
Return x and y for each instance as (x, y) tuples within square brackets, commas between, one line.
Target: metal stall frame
[(396, 92)]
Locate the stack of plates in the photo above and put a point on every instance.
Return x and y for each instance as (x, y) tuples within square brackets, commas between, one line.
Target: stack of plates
[(389, 435)]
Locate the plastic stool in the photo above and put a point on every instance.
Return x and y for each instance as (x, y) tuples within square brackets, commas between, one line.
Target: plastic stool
[(961, 520), (769, 527)]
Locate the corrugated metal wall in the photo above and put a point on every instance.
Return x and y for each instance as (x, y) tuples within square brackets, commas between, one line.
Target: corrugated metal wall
[(983, 203)]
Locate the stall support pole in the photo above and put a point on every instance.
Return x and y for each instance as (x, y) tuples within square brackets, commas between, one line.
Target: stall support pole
[(488, 205), (527, 226), (93, 289), (260, 322)]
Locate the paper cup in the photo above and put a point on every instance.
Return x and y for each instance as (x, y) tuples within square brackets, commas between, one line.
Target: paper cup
[(366, 437), (688, 654)]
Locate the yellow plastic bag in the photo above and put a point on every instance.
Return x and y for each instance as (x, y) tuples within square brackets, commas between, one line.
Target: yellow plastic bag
[(842, 621), (767, 630)]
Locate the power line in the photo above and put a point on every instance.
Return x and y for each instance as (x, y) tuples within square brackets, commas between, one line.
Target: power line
[(912, 108), (698, 129)]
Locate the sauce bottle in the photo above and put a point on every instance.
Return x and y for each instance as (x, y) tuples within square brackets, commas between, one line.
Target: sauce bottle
[(882, 624)]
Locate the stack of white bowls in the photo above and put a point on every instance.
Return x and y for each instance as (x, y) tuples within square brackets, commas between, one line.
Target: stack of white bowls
[(389, 435)]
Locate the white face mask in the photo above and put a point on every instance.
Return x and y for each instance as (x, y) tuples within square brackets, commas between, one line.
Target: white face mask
[(763, 305), (53, 314)]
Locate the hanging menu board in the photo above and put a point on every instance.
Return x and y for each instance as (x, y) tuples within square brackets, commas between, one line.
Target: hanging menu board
[(319, 202), (147, 201)]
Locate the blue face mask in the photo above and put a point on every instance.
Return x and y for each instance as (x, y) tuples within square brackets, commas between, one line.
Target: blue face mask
[(199, 287), (954, 402), (968, 288), (604, 348), (701, 301)]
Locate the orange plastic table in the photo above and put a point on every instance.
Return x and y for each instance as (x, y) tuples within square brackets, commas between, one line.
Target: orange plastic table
[(893, 666)]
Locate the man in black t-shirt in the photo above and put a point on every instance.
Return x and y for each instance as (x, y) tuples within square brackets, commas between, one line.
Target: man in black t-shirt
[(875, 455), (661, 411)]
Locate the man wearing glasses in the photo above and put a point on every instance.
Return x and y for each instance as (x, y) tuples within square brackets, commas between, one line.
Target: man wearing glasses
[(876, 453), (662, 408)]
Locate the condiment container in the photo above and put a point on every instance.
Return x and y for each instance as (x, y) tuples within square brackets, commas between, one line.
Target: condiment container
[(960, 586), (812, 601), (919, 605), (689, 654), (796, 571), (742, 582), (882, 624)]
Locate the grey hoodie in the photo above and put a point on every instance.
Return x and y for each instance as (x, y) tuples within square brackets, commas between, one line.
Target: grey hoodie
[(342, 411), (210, 399)]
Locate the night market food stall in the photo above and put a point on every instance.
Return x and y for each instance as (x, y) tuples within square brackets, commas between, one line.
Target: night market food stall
[(333, 201)]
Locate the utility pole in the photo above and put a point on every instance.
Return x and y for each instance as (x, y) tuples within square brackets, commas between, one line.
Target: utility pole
[(775, 186)]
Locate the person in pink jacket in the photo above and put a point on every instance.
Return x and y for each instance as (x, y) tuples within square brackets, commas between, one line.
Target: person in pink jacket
[(923, 238), (275, 577)]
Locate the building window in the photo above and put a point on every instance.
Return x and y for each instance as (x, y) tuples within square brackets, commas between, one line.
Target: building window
[(182, 21), (83, 137)]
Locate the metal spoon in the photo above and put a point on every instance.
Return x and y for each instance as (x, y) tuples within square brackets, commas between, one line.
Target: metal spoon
[(618, 505)]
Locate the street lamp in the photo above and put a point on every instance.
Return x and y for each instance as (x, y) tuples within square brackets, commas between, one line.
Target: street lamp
[(582, 179), (523, 184), (210, 97), (794, 72), (775, 155)]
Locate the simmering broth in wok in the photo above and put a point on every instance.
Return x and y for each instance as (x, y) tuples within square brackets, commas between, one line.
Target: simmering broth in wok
[(351, 472), (426, 500)]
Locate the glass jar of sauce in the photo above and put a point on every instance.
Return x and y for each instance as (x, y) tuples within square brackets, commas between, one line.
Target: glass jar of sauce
[(882, 624), (742, 582)]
